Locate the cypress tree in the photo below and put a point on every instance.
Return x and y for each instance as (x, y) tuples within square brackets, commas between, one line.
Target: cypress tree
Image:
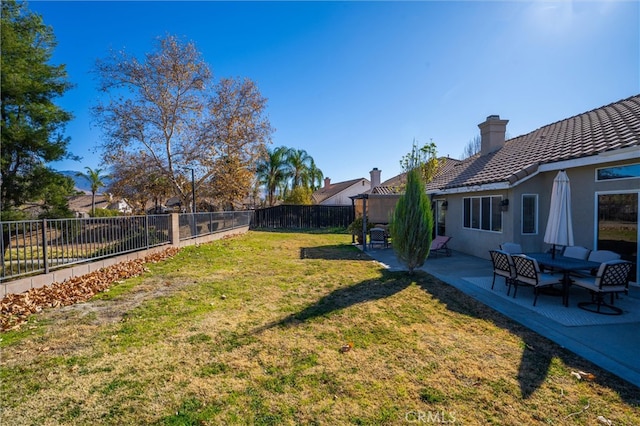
[(411, 223)]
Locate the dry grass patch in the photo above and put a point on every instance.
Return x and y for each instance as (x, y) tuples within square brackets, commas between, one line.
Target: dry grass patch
[(253, 330)]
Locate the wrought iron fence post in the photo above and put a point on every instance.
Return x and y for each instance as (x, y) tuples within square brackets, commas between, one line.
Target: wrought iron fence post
[(146, 230), (45, 254)]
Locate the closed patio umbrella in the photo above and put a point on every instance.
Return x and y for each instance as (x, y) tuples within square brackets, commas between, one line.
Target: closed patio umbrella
[(559, 226)]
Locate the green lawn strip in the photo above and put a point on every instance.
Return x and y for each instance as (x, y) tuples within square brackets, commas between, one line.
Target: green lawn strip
[(294, 328)]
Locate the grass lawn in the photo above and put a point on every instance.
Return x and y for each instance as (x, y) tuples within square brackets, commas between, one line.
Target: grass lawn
[(293, 328)]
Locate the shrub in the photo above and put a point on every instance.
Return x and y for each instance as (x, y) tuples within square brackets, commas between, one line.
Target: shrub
[(105, 213), (355, 228), (411, 223)]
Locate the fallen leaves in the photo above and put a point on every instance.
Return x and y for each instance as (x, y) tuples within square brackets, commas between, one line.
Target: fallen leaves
[(347, 347), (15, 309)]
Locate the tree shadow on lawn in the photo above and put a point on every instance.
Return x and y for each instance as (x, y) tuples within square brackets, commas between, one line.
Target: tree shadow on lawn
[(386, 285), (538, 351), (334, 252)]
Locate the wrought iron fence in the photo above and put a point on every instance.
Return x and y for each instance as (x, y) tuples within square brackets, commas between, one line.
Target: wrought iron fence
[(37, 246), (33, 247), (194, 225)]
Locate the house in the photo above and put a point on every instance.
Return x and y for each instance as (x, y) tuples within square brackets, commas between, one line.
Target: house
[(337, 194), (503, 193), (81, 204)]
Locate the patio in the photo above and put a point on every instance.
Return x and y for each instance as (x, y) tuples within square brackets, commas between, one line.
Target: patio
[(610, 342)]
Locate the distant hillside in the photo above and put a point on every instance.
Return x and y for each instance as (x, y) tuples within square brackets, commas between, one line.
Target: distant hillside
[(82, 184)]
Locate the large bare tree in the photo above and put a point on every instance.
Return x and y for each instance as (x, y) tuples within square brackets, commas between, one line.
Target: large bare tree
[(169, 108), (472, 147), (137, 180)]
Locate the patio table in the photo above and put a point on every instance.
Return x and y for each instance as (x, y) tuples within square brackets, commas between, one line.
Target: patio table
[(565, 265)]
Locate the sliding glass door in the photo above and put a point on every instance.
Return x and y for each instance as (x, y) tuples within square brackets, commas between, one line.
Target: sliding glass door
[(618, 226)]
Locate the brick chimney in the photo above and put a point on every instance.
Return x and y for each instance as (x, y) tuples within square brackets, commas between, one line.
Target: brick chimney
[(327, 183), (375, 177), (492, 134)]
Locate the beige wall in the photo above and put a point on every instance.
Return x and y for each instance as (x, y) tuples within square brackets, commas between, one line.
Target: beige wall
[(473, 241)]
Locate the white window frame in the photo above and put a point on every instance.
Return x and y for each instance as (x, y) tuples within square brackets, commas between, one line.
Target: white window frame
[(481, 214)]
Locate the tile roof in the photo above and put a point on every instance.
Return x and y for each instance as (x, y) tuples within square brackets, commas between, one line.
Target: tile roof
[(395, 185), (611, 127), (82, 203), (335, 188)]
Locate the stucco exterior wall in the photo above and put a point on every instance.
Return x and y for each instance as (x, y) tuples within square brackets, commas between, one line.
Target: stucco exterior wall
[(473, 241)]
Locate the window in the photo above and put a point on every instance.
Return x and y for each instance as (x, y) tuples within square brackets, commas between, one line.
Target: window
[(482, 213), (441, 210), (620, 172), (530, 213)]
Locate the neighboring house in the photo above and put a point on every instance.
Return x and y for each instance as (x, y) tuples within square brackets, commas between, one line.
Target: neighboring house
[(503, 193), (337, 194), (121, 206), (81, 204)]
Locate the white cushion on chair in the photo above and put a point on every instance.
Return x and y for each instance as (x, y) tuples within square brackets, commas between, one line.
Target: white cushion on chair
[(593, 283), (576, 252), (511, 248), (603, 256), (545, 279), (541, 279)]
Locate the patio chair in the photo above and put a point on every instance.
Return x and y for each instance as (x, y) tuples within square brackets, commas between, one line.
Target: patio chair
[(576, 252), (528, 272), (439, 245), (612, 278), (503, 266), (377, 236), (603, 256), (599, 256), (511, 248)]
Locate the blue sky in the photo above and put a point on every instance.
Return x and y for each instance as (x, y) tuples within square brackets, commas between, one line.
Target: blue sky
[(354, 83)]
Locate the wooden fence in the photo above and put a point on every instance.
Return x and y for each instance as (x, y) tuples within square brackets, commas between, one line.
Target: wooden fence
[(303, 217)]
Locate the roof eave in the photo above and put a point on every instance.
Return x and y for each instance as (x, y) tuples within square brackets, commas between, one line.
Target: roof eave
[(628, 153), (494, 186)]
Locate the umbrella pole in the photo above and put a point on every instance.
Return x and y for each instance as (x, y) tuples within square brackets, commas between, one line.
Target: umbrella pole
[(553, 252)]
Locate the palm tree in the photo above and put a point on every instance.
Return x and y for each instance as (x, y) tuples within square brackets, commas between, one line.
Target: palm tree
[(315, 176), (299, 163), (272, 171), (95, 179)]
